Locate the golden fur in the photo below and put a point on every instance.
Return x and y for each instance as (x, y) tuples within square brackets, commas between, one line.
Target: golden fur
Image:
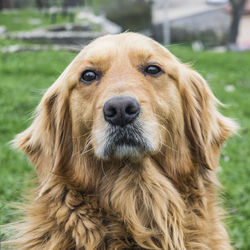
[(165, 198)]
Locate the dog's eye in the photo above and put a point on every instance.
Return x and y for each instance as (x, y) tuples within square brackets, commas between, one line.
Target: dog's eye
[(88, 76), (153, 70)]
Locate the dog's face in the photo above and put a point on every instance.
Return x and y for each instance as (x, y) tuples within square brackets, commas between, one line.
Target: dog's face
[(127, 97), (124, 94)]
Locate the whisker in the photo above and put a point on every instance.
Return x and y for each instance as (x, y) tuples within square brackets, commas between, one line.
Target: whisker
[(161, 140), (164, 128), (104, 174), (80, 136), (84, 150), (88, 142)]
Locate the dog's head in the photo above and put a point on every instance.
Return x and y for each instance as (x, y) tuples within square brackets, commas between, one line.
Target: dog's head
[(126, 97)]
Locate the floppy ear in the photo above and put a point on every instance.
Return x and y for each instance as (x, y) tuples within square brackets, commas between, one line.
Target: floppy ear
[(48, 141), (205, 128)]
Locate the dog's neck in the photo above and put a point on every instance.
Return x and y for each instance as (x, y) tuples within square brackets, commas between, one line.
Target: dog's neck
[(146, 201), (142, 199)]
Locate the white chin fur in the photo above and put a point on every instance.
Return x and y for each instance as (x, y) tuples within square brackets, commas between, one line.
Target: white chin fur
[(123, 151), (126, 151)]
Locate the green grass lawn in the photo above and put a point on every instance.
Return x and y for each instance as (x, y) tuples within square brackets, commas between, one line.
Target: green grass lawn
[(22, 20), (16, 21)]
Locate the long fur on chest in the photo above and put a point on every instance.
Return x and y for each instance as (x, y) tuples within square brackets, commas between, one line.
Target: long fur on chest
[(132, 209)]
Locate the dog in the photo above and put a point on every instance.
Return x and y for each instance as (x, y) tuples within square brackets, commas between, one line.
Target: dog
[(125, 144)]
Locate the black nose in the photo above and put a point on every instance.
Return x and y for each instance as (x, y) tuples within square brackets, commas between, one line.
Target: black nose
[(121, 110)]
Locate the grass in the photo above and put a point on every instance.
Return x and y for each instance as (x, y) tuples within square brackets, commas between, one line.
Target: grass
[(22, 20), (16, 21), (24, 76)]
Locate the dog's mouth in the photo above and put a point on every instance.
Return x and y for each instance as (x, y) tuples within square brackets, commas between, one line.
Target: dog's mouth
[(125, 142), (124, 134)]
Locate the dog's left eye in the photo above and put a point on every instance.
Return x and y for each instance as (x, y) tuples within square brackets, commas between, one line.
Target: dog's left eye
[(152, 70), (88, 76)]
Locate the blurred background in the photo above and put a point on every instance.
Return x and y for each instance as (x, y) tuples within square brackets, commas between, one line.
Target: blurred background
[(202, 23), (39, 38)]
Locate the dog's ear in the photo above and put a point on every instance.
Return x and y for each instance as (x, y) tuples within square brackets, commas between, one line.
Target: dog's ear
[(206, 129), (48, 140)]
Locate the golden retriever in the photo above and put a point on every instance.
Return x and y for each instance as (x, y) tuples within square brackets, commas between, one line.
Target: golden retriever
[(126, 145)]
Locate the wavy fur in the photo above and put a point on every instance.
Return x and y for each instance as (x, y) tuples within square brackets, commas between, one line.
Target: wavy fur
[(166, 199)]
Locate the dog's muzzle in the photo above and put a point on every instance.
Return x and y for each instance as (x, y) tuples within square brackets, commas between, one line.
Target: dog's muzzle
[(124, 136)]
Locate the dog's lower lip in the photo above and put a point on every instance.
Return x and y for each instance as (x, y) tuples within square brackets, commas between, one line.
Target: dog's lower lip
[(126, 142), (126, 148)]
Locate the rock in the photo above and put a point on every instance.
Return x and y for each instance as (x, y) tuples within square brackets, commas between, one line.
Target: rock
[(106, 25), (24, 48), (220, 49), (63, 37), (229, 88), (35, 21), (71, 27), (2, 30), (72, 34), (197, 46)]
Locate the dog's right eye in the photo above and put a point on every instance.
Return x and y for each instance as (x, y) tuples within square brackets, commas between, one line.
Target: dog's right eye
[(152, 70), (88, 76)]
